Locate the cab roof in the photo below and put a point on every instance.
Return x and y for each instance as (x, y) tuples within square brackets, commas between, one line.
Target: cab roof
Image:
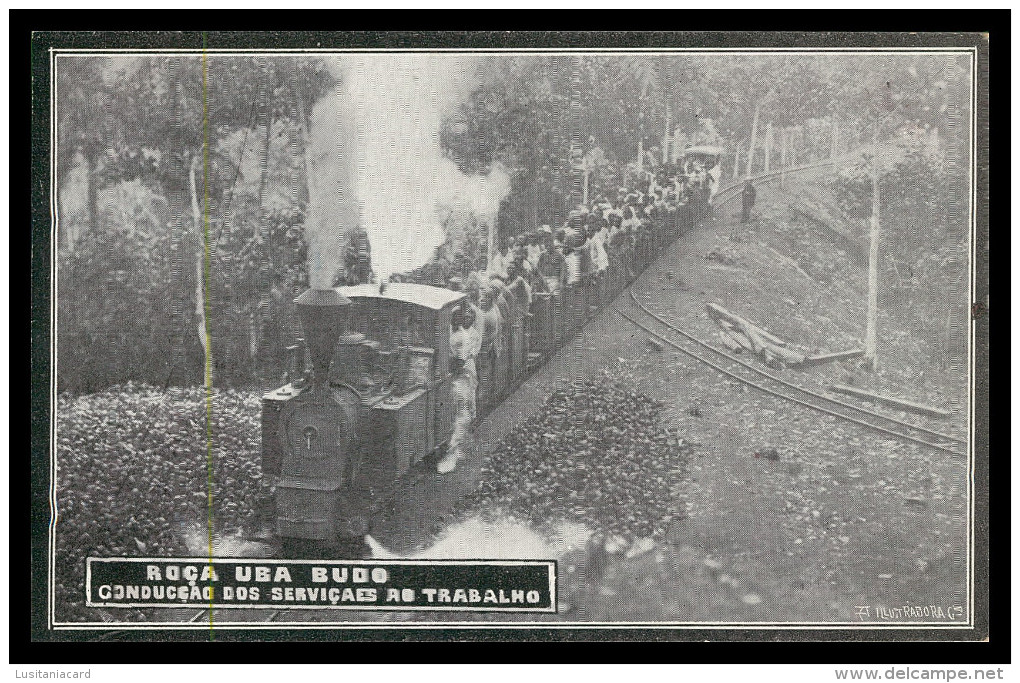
[(434, 298)]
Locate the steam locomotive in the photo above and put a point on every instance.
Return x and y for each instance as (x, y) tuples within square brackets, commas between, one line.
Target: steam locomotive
[(379, 398)]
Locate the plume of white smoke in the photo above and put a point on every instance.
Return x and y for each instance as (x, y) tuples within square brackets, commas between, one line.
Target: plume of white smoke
[(501, 538), (196, 540), (377, 138), (332, 157)]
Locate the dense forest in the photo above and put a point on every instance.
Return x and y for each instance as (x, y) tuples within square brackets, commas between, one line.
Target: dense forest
[(183, 181)]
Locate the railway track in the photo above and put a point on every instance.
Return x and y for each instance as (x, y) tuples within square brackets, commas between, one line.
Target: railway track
[(733, 190), (758, 378), (769, 383)]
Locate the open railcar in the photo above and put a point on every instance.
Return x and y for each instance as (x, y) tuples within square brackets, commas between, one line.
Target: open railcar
[(336, 444)]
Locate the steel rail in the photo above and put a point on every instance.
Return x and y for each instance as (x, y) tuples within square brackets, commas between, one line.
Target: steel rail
[(795, 388), (806, 404), (721, 200), (771, 175), (766, 177)]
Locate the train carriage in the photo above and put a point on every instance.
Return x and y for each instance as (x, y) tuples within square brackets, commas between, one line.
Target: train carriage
[(379, 396)]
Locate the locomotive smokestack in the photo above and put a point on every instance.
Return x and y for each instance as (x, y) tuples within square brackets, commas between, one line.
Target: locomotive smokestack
[(323, 316)]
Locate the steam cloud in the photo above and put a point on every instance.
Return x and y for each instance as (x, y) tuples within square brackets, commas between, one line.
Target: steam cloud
[(377, 138), (332, 185)]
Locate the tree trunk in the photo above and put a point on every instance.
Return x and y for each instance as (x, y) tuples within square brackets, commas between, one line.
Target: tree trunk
[(584, 196), (834, 150), (736, 164), (665, 134), (265, 237), (305, 138), (640, 155), (768, 147), (533, 175), (783, 135), (493, 236), (91, 191), (871, 336), (754, 140), (200, 274)]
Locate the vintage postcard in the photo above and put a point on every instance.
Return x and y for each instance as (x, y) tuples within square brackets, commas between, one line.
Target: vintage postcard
[(360, 336)]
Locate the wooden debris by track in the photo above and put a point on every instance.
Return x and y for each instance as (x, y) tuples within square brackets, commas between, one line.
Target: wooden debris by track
[(829, 357), (738, 335), (889, 400), (747, 335)]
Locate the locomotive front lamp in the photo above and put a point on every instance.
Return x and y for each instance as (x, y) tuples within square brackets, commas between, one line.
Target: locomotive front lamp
[(323, 315)]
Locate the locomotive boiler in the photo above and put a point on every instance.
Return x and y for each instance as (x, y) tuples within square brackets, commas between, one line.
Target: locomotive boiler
[(377, 402)]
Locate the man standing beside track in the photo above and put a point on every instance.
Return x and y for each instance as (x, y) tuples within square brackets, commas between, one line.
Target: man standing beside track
[(747, 197)]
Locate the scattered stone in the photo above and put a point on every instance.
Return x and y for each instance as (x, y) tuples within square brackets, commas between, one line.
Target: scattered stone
[(751, 599), (596, 453)]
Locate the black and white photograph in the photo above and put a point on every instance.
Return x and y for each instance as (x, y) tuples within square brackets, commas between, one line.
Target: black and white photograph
[(666, 338)]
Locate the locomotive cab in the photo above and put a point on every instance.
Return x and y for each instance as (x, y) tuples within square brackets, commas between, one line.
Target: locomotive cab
[(379, 402)]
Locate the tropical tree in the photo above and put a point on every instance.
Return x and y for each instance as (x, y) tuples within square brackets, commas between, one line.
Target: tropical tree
[(218, 142), (894, 98)]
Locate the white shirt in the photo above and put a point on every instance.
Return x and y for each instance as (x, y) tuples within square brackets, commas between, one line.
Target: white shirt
[(599, 257), (573, 264), (534, 251), (465, 343)]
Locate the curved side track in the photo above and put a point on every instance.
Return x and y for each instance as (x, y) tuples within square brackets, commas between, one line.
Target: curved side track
[(723, 195), (771, 384)]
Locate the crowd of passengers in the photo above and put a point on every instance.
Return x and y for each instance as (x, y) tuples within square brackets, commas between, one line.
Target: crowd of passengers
[(604, 241), (594, 240)]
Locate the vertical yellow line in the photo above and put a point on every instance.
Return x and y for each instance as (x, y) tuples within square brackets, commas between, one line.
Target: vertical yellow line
[(205, 292)]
